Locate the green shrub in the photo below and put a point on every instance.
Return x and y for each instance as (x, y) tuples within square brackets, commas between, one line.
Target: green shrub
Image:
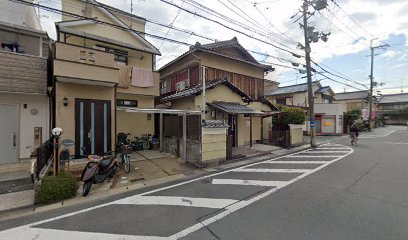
[(54, 188), (292, 115)]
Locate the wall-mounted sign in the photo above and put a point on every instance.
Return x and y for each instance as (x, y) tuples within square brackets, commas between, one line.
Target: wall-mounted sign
[(126, 103), (328, 123)]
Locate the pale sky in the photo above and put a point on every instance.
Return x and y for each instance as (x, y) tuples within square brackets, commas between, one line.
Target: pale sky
[(346, 50)]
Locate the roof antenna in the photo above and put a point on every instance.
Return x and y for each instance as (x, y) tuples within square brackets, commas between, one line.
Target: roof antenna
[(131, 11)]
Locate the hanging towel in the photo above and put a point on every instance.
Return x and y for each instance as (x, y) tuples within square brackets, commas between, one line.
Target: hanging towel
[(142, 77), (124, 76)]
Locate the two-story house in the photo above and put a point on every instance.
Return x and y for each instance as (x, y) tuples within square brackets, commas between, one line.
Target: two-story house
[(102, 63), (357, 100), (234, 83), (24, 77), (328, 115)]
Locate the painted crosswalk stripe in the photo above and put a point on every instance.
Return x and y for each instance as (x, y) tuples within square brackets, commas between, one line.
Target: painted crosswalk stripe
[(312, 156), (333, 148), (268, 170), (177, 201), (335, 151), (249, 182), (297, 162)]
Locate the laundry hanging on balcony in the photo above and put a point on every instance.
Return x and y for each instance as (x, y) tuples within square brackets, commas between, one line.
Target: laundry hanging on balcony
[(142, 77), (125, 74)]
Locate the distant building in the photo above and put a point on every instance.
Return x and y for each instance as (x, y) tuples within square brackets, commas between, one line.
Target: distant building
[(328, 116), (392, 106), (352, 100)]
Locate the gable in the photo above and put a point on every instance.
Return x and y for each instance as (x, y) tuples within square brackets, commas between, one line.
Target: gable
[(106, 31), (233, 51)]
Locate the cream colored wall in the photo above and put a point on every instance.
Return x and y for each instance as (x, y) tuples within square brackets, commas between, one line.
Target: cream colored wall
[(135, 123), (244, 129), (28, 121), (349, 105), (65, 116), (75, 6), (219, 62), (214, 144), (186, 103)]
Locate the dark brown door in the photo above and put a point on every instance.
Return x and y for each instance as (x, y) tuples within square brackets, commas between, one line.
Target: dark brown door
[(92, 126), (232, 130)]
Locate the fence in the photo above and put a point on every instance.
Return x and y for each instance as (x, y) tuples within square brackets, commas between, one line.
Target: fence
[(44, 153)]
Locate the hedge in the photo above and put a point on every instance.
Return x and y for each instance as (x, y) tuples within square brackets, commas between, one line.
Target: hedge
[(60, 187)]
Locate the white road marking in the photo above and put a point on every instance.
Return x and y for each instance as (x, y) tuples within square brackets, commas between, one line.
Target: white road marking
[(297, 162), (48, 234), (332, 148), (377, 136), (249, 182), (336, 151), (313, 156), (177, 201), (239, 205), (29, 231), (397, 143), (268, 170)]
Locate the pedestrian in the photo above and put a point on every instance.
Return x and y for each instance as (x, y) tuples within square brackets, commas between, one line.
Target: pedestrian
[(354, 133)]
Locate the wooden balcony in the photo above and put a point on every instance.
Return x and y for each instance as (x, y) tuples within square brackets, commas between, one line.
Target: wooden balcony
[(22, 73), (84, 65)]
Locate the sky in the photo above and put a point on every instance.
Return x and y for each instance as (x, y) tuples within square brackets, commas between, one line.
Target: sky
[(351, 24)]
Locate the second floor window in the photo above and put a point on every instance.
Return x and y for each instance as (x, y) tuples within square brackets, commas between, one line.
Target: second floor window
[(281, 101), (120, 56)]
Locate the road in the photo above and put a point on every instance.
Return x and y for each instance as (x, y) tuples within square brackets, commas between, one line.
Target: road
[(336, 191)]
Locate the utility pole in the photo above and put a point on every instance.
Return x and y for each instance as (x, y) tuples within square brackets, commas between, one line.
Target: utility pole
[(309, 78), (372, 48), (311, 36)]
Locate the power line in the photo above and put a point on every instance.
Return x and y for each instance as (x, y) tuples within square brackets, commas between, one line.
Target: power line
[(171, 24), (230, 28)]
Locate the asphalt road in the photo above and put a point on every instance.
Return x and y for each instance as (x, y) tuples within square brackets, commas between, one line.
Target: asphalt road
[(337, 191)]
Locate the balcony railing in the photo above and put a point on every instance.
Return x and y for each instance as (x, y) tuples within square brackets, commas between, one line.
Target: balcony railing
[(85, 64), (22, 73)]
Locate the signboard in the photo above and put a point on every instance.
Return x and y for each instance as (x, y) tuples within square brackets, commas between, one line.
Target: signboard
[(328, 123), (126, 103)]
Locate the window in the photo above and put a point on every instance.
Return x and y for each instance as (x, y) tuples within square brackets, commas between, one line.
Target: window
[(120, 56), (281, 101)]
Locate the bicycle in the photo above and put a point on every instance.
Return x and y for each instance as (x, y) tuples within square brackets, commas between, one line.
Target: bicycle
[(124, 152)]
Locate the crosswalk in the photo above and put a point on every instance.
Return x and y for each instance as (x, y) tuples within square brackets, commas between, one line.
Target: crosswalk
[(208, 198)]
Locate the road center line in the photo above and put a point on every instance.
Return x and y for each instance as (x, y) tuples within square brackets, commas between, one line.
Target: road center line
[(314, 151), (397, 143), (177, 201)]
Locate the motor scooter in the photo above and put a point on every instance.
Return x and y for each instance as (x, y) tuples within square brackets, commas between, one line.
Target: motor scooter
[(97, 170)]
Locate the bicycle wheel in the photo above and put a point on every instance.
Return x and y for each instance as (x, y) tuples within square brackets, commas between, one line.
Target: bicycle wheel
[(127, 163)]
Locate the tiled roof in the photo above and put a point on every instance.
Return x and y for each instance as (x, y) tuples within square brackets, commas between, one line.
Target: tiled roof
[(351, 95), (394, 98), (289, 89), (234, 108), (322, 90), (211, 47), (230, 43), (198, 88)]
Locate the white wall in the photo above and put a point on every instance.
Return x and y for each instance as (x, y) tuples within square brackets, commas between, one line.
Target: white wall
[(19, 14), (28, 121), (332, 109)]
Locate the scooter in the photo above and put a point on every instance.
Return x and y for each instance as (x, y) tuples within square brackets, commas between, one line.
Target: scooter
[(97, 170)]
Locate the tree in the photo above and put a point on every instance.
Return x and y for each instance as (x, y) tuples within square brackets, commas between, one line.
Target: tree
[(292, 115)]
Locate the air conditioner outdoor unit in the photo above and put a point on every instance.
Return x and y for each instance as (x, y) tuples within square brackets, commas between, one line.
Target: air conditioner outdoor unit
[(180, 86)]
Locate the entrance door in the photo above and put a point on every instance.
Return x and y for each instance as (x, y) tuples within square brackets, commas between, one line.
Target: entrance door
[(318, 124), (232, 130), (329, 124), (8, 130), (92, 126)]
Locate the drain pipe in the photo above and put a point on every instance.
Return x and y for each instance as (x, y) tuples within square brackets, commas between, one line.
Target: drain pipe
[(203, 103)]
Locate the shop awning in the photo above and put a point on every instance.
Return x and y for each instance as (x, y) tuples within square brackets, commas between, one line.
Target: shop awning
[(234, 108)]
